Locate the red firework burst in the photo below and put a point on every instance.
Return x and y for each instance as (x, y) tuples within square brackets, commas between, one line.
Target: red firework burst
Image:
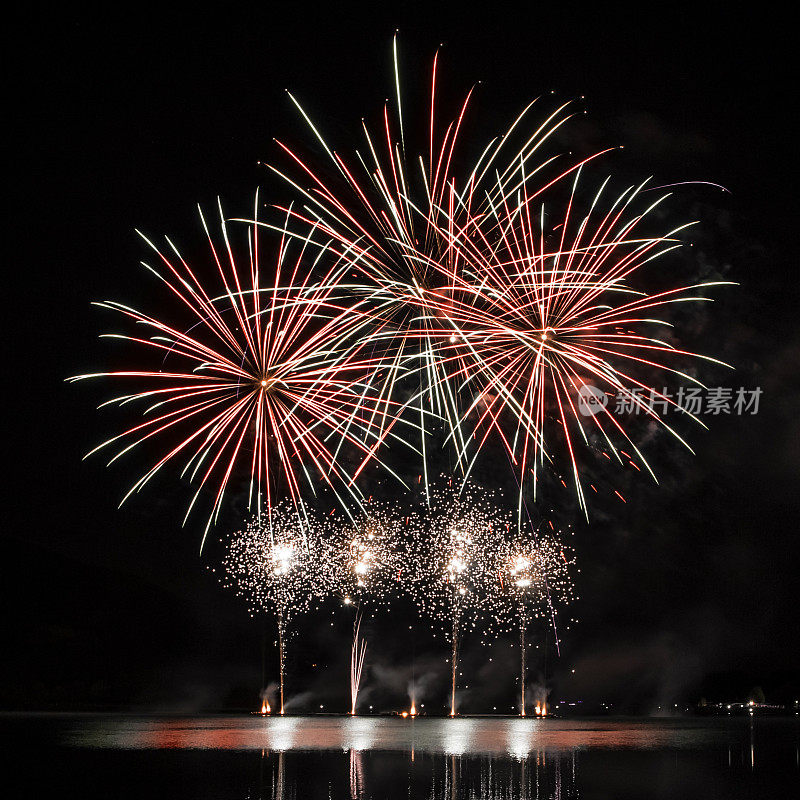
[(276, 380)]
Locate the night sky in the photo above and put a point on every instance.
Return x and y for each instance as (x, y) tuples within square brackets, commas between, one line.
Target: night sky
[(689, 589)]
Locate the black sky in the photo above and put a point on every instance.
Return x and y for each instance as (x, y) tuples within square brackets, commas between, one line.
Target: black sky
[(128, 121)]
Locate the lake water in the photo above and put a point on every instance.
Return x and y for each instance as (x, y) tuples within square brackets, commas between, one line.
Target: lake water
[(382, 758)]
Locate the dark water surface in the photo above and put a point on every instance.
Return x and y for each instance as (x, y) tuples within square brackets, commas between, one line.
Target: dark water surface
[(370, 758)]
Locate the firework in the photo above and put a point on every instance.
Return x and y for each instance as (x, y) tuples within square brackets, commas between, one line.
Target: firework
[(453, 551), (276, 564), (509, 307), (390, 218), (357, 655), (551, 323), (272, 380), (363, 554), (534, 583)]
